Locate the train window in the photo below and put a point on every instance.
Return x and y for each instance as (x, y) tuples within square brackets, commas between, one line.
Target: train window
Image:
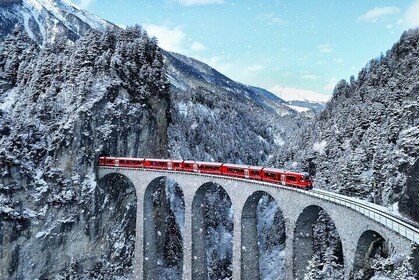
[(235, 170), (255, 173), (271, 175), (291, 178), (208, 167)]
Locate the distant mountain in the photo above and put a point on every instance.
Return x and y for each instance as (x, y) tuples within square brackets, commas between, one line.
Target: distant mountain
[(187, 72), (47, 20), (301, 100), (294, 94)]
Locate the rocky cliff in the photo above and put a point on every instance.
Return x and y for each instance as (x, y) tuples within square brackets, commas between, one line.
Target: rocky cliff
[(61, 107)]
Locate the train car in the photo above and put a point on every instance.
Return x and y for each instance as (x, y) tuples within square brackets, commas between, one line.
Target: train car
[(157, 163), (189, 165), (286, 178), (273, 175), (122, 162), (299, 180), (130, 162), (209, 167), (107, 161), (176, 165), (242, 171)]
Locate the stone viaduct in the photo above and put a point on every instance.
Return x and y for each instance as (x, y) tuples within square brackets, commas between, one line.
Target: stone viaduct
[(357, 227)]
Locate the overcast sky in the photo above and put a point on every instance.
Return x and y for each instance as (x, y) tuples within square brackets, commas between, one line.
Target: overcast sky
[(293, 43)]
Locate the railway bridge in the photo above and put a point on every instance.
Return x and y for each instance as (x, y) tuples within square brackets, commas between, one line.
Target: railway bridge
[(358, 223)]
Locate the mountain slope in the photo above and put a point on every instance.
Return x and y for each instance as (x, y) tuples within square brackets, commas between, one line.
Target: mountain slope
[(214, 118), (47, 20), (365, 142)]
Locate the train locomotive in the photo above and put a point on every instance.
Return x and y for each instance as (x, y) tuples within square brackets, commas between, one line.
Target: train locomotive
[(271, 175)]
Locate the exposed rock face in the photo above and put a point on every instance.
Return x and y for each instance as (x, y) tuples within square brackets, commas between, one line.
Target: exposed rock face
[(410, 198), (64, 105)]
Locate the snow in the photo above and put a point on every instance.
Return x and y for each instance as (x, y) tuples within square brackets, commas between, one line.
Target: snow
[(294, 94), (35, 13), (43, 234), (320, 147), (26, 18), (299, 109), (175, 82), (8, 99), (278, 140)]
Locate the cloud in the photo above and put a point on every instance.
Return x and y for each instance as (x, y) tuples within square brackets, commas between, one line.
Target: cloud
[(199, 2), (84, 4), (254, 68), (374, 14), (338, 60), (311, 77), (411, 18), (271, 19), (197, 46), (218, 63), (324, 48), (170, 38)]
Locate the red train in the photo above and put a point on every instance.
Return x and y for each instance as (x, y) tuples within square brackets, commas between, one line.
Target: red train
[(272, 175)]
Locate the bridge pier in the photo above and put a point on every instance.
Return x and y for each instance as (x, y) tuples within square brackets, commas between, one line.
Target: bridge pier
[(250, 251), (289, 248), (237, 242), (187, 240), (139, 245), (351, 223)]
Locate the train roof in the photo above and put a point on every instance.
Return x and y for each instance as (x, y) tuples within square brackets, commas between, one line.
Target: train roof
[(122, 158), (127, 158), (156, 159), (208, 163), (242, 166), (269, 169)]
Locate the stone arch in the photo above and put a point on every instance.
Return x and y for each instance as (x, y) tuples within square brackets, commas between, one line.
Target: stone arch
[(312, 224), (114, 221), (206, 222), (370, 244), (164, 222), (251, 236)]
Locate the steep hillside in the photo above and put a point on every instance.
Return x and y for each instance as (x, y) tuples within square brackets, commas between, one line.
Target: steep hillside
[(61, 107), (365, 142), (216, 119), (196, 88)]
